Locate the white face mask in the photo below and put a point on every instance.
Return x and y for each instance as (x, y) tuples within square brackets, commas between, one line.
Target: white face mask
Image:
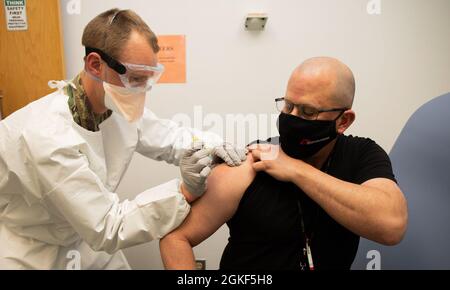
[(128, 103)]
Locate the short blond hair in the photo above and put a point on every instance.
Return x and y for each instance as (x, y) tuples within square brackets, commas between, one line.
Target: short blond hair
[(110, 31)]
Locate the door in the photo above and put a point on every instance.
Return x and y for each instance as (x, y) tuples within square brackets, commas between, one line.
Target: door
[(30, 58)]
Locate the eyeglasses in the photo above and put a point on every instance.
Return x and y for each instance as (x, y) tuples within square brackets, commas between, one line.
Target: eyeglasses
[(135, 76), (304, 111)]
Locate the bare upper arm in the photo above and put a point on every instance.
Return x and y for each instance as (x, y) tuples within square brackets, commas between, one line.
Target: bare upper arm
[(226, 186)]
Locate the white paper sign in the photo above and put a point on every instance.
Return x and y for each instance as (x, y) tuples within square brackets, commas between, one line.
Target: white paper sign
[(16, 14)]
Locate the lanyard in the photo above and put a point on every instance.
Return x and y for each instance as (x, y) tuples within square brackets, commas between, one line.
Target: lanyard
[(307, 250), (307, 239)]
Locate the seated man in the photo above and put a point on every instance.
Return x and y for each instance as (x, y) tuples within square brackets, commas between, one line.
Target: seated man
[(307, 205)]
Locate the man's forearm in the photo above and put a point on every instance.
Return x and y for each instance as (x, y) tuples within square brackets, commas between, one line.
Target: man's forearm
[(177, 253), (368, 212)]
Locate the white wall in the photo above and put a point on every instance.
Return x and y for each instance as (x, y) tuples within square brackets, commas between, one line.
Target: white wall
[(401, 59)]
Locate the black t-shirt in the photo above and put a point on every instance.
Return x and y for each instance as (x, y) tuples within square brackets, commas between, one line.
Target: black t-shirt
[(265, 232)]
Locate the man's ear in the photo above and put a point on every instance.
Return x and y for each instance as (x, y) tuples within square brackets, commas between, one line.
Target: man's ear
[(93, 64), (345, 121)]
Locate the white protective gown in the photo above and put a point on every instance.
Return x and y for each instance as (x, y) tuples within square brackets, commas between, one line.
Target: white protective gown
[(57, 183)]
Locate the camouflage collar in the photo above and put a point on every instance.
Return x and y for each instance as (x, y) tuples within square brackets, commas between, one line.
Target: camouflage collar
[(81, 108)]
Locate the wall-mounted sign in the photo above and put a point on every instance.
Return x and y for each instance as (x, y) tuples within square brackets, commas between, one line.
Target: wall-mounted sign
[(173, 56), (16, 14)]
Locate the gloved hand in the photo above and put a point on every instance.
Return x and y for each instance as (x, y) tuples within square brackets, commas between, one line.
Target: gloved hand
[(195, 167), (232, 155)]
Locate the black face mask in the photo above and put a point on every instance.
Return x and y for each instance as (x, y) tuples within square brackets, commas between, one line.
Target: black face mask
[(302, 138)]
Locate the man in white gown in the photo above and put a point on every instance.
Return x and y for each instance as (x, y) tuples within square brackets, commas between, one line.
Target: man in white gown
[(63, 156)]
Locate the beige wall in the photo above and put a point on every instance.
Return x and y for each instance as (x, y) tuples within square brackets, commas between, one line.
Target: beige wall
[(401, 59)]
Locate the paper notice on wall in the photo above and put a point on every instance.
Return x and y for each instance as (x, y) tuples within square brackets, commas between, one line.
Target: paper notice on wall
[(173, 56), (16, 14)]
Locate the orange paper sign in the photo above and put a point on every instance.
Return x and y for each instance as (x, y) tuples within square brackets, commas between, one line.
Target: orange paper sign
[(173, 56)]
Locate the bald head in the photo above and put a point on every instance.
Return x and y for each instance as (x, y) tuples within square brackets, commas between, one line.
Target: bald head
[(323, 81)]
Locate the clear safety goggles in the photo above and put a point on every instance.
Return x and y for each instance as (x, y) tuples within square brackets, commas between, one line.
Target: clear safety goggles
[(133, 76)]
